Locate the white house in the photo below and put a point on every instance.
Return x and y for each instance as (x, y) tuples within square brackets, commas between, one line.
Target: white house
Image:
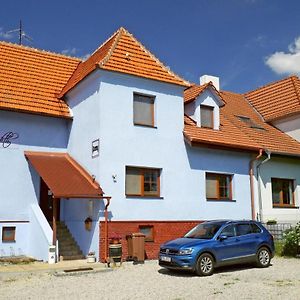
[(118, 144)]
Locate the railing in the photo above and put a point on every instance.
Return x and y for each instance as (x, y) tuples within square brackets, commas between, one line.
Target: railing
[(277, 230), (40, 234)]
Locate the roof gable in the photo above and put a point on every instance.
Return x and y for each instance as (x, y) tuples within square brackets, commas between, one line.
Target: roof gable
[(278, 99), (193, 92), (123, 53)]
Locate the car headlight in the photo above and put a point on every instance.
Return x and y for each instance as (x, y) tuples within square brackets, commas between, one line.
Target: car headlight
[(185, 251)]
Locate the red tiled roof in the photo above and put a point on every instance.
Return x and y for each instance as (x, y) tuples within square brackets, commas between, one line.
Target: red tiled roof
[(235, 133), (123, 53), (277, 99), (195, 90), (30, 80), (64, 176)]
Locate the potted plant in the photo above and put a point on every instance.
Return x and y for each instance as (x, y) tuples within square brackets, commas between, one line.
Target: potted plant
[(91, 258), (115, 238)]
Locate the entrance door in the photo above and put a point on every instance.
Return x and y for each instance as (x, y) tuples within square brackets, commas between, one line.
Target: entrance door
[(46, 202)]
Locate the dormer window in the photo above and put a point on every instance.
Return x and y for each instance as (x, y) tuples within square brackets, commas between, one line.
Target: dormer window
[(206, 116)]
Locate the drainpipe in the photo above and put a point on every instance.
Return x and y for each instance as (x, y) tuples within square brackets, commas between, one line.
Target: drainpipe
[(106, 229), (251, 175), (260, 216)]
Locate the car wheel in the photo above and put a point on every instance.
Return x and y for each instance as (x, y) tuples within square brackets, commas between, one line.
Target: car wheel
[(205, 265), (263, 258)]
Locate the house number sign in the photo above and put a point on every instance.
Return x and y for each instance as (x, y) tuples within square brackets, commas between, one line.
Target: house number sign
[(7, 138)]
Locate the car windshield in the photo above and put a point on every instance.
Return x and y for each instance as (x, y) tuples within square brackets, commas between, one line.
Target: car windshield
[(204, 231)]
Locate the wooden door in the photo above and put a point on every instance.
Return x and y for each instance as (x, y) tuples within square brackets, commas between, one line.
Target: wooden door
[(46, 202)]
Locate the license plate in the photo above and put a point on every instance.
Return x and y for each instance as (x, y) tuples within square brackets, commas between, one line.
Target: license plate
[(165, 258)]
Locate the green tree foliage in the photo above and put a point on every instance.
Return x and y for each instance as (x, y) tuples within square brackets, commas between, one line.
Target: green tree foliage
[(291, 241)]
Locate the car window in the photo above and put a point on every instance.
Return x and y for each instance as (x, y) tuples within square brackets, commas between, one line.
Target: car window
[(243, 229), (255, 228), (229, 231)]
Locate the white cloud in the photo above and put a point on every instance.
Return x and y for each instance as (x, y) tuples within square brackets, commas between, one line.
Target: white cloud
[(70, 51), (85, 56), (286, 63), (5, 35)]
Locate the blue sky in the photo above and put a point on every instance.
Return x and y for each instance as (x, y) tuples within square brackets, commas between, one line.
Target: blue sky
[(247, 43)]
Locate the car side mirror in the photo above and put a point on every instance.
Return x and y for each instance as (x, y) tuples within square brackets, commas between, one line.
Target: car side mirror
[(222, 237)]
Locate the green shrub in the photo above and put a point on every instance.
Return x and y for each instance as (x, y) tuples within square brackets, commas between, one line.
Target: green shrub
[(291, 241), (278, 247)]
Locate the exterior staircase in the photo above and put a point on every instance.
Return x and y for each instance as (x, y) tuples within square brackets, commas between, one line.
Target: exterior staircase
[(68, 248)]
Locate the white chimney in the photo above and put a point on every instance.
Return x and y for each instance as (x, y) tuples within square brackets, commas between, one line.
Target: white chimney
[(207, 78)]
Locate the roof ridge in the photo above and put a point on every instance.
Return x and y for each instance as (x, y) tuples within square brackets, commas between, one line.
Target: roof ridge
[(154, 57), (112, 47), (33, 49), (270, 84), (293, 78), (111, 36)]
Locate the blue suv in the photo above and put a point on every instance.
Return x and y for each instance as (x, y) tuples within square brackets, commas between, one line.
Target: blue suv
[(216, 243)]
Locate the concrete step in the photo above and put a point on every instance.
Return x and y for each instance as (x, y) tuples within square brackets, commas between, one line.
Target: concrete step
[(71, 257)]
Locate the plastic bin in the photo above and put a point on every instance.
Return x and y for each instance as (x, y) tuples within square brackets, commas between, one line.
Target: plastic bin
[(136, 247)]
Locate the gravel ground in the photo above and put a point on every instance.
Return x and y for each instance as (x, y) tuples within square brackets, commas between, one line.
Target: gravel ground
[(280, 281)]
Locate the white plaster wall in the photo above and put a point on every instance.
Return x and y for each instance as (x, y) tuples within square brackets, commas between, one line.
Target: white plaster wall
[(109, 103), (20, 246), (290, 126), (280, 168), (206, 98), (19, 182)]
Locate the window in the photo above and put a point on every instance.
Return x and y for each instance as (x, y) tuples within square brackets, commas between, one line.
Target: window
[(218, 186), (207, 116), (243, 229), (229, 231), (143, 110), (282, 192), (148, 231), (250, 122), (142, 182), (8, 234)]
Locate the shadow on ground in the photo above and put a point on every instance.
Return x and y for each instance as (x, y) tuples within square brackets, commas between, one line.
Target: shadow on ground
[(220, 270)]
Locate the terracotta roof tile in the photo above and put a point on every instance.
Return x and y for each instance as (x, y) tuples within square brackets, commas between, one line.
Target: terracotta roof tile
[(195, 90), (64, 176), (30, 80), (123, 53), (277, 99), (239, 134)]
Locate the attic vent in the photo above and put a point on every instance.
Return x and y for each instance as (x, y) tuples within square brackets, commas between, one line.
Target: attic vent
[(250, 122)]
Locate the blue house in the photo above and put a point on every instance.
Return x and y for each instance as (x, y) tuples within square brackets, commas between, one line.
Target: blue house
[(118, 143)]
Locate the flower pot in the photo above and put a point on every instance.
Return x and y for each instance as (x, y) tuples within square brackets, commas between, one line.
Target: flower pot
[(91, 259)]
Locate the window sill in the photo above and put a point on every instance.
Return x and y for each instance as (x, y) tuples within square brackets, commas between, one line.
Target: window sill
[(283, 206), (220, 200), (145, 125), (144, 197), (8, 241)]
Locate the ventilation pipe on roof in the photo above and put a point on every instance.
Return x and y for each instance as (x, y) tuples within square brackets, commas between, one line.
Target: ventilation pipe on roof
[(260, 214), (207, 78)]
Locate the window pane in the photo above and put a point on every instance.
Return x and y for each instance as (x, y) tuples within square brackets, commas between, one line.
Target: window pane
[(133, 181), (229, 231), (276, 188), (143, 110), (8, 233), (244, 229), (224, 186), (151, 182), (211, 187), (206, 116), (287, 192)]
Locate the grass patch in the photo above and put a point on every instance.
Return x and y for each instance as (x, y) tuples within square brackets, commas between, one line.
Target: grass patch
[(16, 260)]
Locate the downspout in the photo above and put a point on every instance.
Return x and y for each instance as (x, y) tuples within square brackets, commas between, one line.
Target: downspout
[(106, 229), (259, 217), (251, 174)]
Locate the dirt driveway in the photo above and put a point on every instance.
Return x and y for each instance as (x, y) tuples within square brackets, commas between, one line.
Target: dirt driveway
[(149, 281)]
